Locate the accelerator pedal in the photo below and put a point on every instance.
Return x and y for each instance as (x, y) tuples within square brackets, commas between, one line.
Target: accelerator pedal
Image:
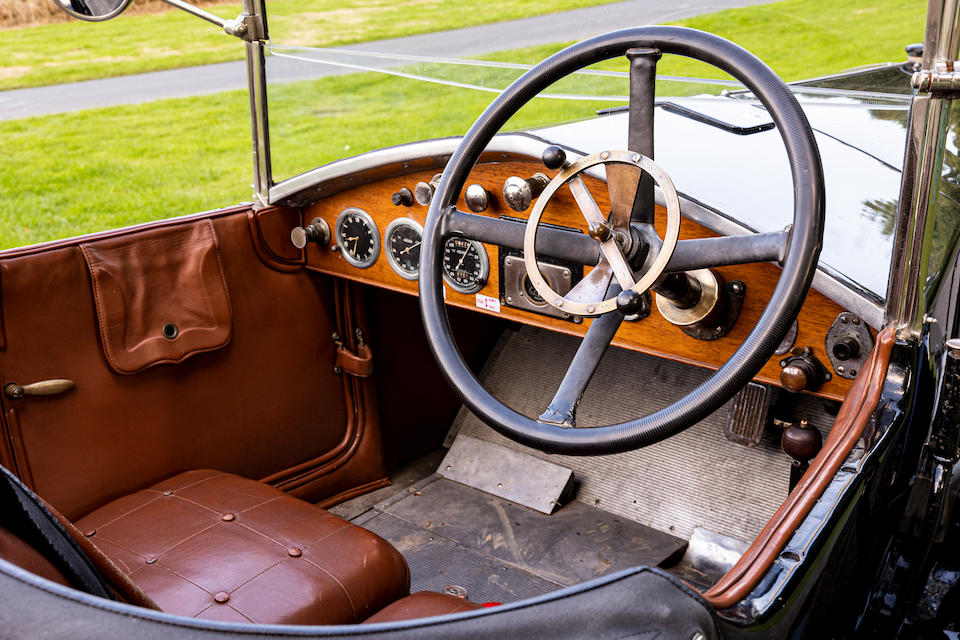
[(747, 415)]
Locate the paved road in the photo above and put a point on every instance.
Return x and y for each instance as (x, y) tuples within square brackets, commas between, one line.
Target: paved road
[(471, 41)]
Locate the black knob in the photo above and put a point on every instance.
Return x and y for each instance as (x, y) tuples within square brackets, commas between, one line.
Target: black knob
[(403, 197), (317, 231), (846, 348), (553, 157), (629, 302)]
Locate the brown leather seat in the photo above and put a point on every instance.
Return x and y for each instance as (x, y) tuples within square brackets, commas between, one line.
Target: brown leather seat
[(217, 546), (212, 545), (423, 604)]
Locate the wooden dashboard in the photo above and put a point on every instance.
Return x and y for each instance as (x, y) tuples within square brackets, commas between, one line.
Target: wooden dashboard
[(652, 335)]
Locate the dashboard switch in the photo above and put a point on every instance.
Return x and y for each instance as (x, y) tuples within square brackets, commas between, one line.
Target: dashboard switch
[(477, 198), (423, 191), (520, 192), (402, 198), (317, 231)]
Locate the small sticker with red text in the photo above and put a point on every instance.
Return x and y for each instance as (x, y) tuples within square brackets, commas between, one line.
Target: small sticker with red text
[(488, 303)]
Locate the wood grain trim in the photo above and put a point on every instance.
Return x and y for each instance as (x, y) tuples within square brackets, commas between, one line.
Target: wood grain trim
[(847, 429), (652, 335)]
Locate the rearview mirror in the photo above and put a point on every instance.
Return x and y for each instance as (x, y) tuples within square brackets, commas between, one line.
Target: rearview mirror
[(93, 10)]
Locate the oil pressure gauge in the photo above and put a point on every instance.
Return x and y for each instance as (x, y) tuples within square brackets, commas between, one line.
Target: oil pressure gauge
[(465, 265), (402, 245), (357, 237)]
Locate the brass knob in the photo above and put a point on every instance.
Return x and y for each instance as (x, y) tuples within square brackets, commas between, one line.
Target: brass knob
[(802, 372), (600, 232)]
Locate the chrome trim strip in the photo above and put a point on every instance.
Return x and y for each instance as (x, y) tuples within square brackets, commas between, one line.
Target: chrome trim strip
[(259, 127), (920, 180), (530, 146)]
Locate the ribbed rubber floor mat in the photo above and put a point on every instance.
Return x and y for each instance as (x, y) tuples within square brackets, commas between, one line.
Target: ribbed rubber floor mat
[(696, 478)]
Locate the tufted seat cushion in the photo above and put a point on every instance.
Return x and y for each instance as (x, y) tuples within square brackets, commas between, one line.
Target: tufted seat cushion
[(212, 545)]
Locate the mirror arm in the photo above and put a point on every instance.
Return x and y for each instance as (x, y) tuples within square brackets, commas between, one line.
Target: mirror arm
[(244, 26)]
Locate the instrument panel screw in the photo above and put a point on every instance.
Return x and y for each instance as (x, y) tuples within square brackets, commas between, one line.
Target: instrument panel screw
[(509, 299), (856, 321), (337, 370), (853, 372), (840, 369)]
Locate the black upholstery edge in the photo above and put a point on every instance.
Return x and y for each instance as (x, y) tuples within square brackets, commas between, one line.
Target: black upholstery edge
[(25, 515), (612, 607)]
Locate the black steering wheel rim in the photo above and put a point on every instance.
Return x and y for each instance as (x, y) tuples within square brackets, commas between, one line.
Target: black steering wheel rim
[(799, 264)]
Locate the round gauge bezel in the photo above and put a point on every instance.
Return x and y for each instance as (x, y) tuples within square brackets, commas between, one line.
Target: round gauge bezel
[(338, 232), (400, 222), (484, 267)]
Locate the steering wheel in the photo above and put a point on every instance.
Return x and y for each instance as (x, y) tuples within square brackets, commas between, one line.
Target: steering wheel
[(798, 249)]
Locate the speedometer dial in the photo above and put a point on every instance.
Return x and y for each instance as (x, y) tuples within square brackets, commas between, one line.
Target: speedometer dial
[(402, 245), (465, 265), (357, 237)]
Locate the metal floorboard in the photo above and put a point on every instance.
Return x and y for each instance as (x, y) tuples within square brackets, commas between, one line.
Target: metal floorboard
[(499, 551), (696, 478)]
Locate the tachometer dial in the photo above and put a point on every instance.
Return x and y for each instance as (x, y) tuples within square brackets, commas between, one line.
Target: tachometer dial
[(465, 265), (402, 246), (357, 237)]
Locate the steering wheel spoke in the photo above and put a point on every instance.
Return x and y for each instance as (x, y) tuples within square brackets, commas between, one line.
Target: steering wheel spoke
[(623, 182), (562, 410), (703, 253), (594, 285)]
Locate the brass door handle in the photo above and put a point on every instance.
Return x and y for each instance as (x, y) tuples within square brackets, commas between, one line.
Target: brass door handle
[(42, 388)]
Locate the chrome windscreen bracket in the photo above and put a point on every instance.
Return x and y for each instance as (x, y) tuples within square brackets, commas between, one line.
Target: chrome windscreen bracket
[(247, 26), (942, 80)]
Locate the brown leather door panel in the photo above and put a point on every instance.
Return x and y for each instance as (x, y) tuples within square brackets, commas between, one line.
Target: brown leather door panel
[(265, 401)]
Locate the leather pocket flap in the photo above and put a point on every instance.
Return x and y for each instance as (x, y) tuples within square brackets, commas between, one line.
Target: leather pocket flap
[(160, 295)]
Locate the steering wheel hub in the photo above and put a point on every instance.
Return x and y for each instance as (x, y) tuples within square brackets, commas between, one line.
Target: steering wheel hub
[(612, 254)]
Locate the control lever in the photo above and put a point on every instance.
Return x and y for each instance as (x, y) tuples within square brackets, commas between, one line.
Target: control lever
[(317, 231), (43, 388)]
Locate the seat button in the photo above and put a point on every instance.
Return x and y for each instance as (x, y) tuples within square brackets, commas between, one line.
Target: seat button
[(294, 552), (167, 493), (221, 597), (151, 559), (228, 517), (90, 533)]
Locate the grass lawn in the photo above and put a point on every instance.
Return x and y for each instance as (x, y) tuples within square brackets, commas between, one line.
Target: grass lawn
[(74, 173), (76, 50)]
